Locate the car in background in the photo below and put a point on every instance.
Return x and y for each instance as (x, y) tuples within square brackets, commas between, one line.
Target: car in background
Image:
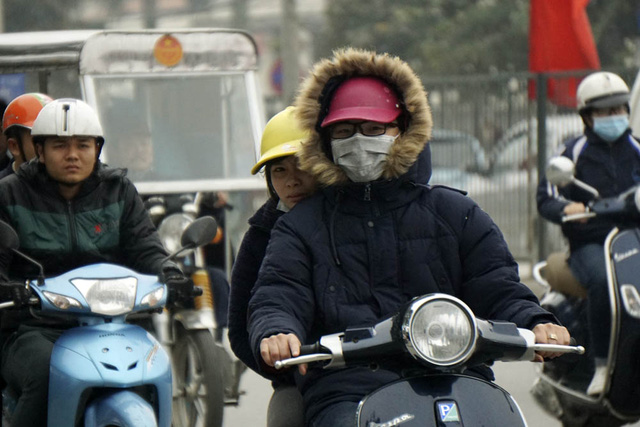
[(518, 149), (513, 176), (457, 159), (634, 104)]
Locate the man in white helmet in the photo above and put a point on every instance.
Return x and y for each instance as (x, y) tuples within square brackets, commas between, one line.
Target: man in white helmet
[(607, 158), (69, 210)]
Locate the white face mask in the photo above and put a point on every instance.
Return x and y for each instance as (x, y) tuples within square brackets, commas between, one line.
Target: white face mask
[(362, 157)]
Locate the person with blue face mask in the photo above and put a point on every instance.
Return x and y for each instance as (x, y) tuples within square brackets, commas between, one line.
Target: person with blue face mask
[(606, 157), (375, 234)]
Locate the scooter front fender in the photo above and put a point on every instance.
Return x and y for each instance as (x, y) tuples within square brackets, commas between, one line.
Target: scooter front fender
[(440, 400), (88, 359), (120, 408)]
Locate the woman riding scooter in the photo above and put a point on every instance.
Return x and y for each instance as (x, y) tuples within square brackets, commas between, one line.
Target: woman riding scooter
[(287, 185)]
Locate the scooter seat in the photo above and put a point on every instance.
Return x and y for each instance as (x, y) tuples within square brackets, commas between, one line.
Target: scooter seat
[(560, 277)]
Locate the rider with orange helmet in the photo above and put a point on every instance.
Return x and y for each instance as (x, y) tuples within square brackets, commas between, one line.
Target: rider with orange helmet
[(17, 122)]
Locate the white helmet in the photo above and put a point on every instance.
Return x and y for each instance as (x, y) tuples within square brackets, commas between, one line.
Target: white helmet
[(602, 90), (68, 117)]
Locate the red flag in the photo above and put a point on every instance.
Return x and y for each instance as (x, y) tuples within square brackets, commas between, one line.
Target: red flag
[(560, 39)]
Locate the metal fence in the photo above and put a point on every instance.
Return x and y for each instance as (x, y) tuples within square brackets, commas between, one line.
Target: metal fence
[(513, 122)]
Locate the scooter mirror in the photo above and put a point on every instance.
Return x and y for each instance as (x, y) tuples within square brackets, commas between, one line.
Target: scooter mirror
[(8, 237), (560, 171), (199, 232)]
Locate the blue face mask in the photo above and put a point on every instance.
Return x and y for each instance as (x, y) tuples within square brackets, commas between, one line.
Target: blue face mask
[(610, 128)]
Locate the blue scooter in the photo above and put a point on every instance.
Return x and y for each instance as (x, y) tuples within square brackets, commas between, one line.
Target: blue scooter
[(105, 372)]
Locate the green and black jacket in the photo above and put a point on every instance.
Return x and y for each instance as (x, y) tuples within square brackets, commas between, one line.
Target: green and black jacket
[(105, 222)]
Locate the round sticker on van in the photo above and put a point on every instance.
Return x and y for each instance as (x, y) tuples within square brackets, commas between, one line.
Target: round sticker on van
[(167, 50)]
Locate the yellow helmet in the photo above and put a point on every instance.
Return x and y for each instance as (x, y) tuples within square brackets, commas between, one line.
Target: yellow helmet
[(282, 137)]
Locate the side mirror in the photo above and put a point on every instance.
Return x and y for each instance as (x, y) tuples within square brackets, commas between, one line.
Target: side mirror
[(561, 171), (199, 232), (8, 237), (9, 240)]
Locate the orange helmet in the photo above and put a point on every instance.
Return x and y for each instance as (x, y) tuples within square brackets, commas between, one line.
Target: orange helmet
[(23, 110)]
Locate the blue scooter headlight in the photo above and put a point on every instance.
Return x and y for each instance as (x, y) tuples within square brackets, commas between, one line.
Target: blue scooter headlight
[(111, 297), (439, 329)]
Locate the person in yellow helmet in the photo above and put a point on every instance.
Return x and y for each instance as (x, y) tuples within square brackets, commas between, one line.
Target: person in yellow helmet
[(287, 185)]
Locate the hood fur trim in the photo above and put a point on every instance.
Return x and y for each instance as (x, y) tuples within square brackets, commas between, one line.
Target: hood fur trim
[(355, 62)]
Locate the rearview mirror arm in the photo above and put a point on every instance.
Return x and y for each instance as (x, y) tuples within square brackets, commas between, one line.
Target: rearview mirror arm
[(36, 263)]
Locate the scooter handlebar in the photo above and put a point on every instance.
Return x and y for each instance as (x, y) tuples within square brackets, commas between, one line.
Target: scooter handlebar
[(307, 358), (578, 216), (555, 348)]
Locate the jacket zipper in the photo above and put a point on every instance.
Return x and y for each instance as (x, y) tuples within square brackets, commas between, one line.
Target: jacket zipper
[(367, 193), (72, 226)]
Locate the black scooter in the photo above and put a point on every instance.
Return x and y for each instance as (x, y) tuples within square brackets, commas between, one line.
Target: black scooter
[(562, 383), (431, 342)]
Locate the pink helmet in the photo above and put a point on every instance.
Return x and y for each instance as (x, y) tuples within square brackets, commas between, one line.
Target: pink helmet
[(363, 98)]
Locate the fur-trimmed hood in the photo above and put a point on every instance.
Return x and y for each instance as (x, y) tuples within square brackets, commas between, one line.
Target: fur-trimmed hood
[(355, 62)]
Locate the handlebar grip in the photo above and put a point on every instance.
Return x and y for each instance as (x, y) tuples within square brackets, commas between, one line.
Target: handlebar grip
[(310, 349)]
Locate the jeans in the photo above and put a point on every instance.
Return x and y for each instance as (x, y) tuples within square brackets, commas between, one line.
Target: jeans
[(25, 368), (588, 265), (341, 414)]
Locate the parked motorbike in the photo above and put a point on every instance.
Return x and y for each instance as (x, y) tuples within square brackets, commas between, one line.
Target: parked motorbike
[(430, 342), (106, 371), (205, 375), (562, 383)]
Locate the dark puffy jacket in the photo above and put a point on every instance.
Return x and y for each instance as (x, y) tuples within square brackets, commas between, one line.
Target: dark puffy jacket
[(244, 277), (406, 240), (105, 222), (609, 168)]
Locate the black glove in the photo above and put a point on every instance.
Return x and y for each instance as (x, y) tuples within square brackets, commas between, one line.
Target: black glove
[(181, 288), (16, 292)]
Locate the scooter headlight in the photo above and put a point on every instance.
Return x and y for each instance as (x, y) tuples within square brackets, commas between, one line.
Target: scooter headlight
[(171, 229), (111, 297), (630, 300), (439, 329)]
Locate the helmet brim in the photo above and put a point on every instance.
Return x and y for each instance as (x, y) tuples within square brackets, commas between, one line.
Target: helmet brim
[(361, 113), (608, 101), (282, 150)]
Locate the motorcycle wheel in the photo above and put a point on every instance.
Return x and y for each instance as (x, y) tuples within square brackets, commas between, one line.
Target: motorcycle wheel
[(199, 381)]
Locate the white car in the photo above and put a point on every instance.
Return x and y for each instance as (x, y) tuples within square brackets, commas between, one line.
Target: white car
[(634, 104)]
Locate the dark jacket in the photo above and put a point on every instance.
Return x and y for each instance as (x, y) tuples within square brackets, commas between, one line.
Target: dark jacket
[(609, 168), (8, 170), (244, 277), (105, 222), (354, 253)]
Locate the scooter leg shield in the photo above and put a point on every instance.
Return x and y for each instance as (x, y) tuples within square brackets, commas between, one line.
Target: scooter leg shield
[(121, 408)]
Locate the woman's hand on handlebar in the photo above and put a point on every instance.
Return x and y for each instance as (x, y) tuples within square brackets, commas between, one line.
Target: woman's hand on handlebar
[(280, 347), (549, 333)]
